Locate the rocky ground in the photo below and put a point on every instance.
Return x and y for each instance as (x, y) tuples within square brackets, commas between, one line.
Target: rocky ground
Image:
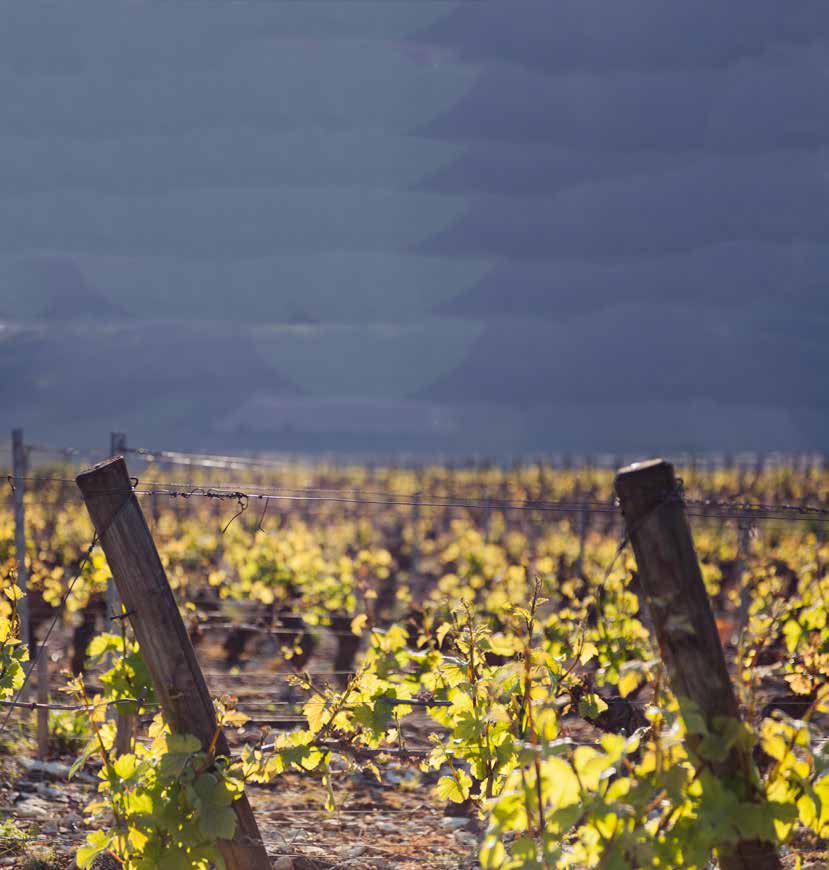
[(395, 823)]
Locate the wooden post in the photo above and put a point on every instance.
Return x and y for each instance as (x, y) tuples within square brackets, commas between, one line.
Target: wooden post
[(43, 698), (684, 624), (124, 722), (743, 554), (124, 732), (414, 574), (19, 465), (584, 523), (154, 509), (117, 447), (165, 645)]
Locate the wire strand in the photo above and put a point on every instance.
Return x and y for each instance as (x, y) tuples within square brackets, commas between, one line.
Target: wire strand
[(58, 610), (702, 508)]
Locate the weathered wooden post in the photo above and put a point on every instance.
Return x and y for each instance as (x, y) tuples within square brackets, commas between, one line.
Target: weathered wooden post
[(584, 524), (117, 447), (414, 565), (43, 700), (672, 583), (741, 562), (165, 645), (124, 722), (19, 465)]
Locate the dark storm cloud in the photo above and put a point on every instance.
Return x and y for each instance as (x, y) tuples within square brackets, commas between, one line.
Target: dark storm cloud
[(725, 277), (115, 37), (772, 198), (338, 285), (295, 89), (224, 223), (595, 36), (643, 353), (533, 169), (593, 200), (217, 158), (775, 101)]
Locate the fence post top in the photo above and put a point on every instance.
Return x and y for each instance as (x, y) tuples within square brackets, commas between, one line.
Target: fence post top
[(645, 468), (108, 465), (643, 485), (644, 475)]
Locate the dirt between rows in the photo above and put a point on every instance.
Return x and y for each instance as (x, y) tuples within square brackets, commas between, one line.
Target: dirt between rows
[(394, 823), (397, 822)]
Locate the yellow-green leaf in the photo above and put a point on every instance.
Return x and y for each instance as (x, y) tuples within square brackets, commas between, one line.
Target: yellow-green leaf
[(455, 788)]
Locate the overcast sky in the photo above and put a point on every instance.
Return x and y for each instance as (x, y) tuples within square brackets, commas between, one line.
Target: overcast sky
[(500, 226)]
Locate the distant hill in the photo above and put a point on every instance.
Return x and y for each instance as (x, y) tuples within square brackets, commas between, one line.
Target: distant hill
[(156, 380), (54, 289)]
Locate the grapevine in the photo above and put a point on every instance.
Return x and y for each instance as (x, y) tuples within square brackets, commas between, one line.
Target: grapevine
[(515, 637)]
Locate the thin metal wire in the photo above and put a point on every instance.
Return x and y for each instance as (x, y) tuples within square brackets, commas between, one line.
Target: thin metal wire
[(369, 752), (35, 705), (606, 461), (58, 610), (234, 491), (378, 809), (736, 503), (272, 632), (64, 451), (259, 676), (705, 508), (206, 460)]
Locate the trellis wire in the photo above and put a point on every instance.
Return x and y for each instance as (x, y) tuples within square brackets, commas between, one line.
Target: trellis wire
[(34, 705), (43, 643), (704, 508), (712, 460)]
